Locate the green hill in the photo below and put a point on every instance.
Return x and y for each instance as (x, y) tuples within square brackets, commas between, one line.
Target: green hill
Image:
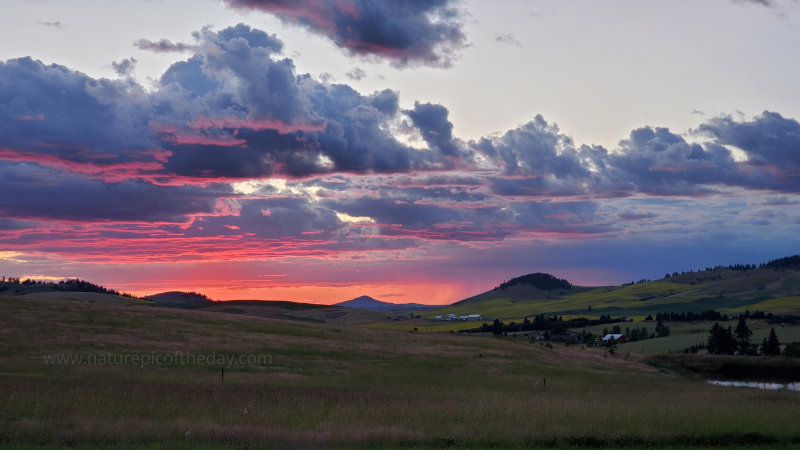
[(774, 287)]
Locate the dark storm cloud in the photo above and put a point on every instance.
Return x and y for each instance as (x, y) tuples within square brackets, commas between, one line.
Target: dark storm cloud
[(404, 32), (162, 46)]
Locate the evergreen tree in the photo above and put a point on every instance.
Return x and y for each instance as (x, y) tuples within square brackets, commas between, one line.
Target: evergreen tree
[(742, 335), (721, 341), (771, 346), (661, 329), (497, 327), (643, 333)]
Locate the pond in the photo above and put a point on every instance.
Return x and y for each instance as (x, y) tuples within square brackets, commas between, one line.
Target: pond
[(758, 384)]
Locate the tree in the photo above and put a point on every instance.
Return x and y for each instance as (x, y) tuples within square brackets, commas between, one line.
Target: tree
[(742, 335), (661, 329), (720, 340), (497, 327), (771, 346)]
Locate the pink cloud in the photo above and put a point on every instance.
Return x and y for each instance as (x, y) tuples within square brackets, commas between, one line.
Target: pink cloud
[(27, 118), (205, 123)]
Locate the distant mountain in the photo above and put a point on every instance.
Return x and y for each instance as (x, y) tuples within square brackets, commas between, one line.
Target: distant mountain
[(178, 298), (369, 303)]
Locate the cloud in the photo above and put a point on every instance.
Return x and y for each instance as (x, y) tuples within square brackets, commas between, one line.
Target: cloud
[(507, 39), (162, 46), (427, 32), (436, 129), (78, 118), (769, 3), (357, 74), (49, 193), (236, 156), (125, 67), (767, 139), (536, 148)]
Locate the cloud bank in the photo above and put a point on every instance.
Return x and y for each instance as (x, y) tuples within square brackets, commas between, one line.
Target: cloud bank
[(235, 156)]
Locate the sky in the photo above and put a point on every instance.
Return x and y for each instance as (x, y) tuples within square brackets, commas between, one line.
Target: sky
[(414, 151)]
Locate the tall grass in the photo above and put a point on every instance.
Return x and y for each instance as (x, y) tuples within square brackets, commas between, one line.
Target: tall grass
[(351, 387)]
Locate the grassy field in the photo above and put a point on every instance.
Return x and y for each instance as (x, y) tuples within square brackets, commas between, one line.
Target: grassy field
[(136, 380)]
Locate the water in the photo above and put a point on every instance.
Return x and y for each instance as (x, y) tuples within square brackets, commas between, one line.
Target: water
[(758, 384)]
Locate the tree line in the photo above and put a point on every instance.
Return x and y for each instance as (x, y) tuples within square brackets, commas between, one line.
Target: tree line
[(70, 285), (704, 315), (727, 341), (540, 322), (779, 263)]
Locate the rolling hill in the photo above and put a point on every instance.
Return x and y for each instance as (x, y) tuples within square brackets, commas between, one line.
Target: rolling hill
[(774, 286), (67, 365)]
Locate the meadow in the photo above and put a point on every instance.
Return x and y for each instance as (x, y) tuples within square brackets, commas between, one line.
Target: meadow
[(333, 386)]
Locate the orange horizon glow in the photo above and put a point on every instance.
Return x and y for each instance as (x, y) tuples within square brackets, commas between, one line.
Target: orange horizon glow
[(424, 293)]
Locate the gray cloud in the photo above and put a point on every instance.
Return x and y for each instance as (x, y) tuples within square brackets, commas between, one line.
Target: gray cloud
[(237, 110), (507, 39), (405, 33), (124, 67), (42, 192), (162, 46), (436, 129), (356, 74)]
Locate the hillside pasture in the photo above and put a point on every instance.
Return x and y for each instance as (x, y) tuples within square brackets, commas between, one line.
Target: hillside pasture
[(327, 385)]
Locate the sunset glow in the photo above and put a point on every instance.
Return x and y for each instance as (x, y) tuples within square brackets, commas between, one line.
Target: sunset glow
[(250, 166)]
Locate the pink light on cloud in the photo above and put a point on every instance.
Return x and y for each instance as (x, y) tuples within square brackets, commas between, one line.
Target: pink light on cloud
[(171, 133), (109, 172), (296, 11), (389, 52), (205, 123), (29, 118), (349, 8)]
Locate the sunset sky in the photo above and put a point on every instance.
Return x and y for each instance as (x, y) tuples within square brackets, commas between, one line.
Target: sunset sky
[(424, 151)]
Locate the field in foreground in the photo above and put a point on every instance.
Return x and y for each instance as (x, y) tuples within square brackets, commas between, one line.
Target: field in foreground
[(94, 374)]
